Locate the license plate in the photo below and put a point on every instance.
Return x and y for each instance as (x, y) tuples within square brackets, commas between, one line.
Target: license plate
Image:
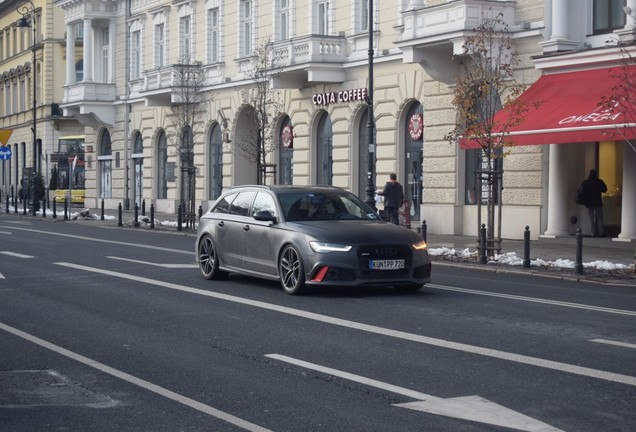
[(386, 264)]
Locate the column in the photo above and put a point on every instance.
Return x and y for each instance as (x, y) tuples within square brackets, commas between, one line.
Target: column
[(628, 212), (560, 29), (558, 199), (111, 52), (88, 51), (70, 54)]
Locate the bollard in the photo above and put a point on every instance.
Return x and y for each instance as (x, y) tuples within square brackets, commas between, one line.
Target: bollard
[(152, 216), (102, 217), (483, 259), (200, 212), (54, 208), (24, 207), (179, 227), (136, 215), (65, 209), (7, 204), (424, 229), (526, 247), (44, 207), (119, 215), (579, 252), (143, 207)]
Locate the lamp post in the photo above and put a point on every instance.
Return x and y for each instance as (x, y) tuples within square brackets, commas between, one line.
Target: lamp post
[(26, 8), (370, 187)]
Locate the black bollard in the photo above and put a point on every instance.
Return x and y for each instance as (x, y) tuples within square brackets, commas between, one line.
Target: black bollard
[(44, 207), (424, 229), (200, 212), (179, 227), (483, 259), (526, 247), (119, 215), (54, 208), (136, 215), (24, 207), (152, 216), (102, 217), (65, 209), (579, 252), (143, 207), (7, 204)]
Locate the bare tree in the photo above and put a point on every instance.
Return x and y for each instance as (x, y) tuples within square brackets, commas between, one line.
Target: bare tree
[(486, 77), (267, 105), (188, 106)]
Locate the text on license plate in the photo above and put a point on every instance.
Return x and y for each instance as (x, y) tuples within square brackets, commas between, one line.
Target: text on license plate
[(386, 264)]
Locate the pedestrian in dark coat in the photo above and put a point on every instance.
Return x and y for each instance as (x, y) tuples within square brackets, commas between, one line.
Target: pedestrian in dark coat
[(592, 188), (393, 198)]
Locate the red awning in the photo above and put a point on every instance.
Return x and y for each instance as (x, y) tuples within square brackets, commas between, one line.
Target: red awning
[(569, 111)]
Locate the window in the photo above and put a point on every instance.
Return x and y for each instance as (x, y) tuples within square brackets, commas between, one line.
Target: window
[(608, 15), (162, 158), (476, 163), (264, 202), (185, 39), (216, 162), (363, 153), (7, 99), (322, 18), (245, 26), (79, 30), (14, 97), (282, 18), (213, 35), (325, 150), (223, 206), (23, 95), (135, 54), (241, 205), (362, 15), (105, 53), (160, 42), (286, 152), (79, 71), (105, 159), (138, 161)]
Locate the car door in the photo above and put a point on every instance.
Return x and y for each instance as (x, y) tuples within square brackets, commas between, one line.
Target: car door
[(260, 247), (232, 229)]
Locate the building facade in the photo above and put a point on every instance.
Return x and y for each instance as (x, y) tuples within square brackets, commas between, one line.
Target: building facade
[(28, 104), (131, 53)]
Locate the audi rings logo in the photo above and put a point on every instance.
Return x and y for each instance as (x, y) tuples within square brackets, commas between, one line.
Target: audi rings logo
[(385, 251)]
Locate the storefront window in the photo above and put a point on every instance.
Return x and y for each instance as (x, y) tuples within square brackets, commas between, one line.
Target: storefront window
[(162, 158), (325, 150), (363, 153), (414, 147), (286, 152), (138, 161), (105, 159), (216, 162)]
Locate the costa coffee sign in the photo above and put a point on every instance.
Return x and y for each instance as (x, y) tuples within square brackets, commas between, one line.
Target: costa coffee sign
[(339, 97)]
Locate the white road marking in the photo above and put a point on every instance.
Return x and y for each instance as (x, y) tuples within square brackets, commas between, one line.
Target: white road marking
[(91, 239), (534, 300), (2, 276), (487, 352), (6, 232), (617, 343), (169, 266), (136, 381), (471, 408), (15, 254)]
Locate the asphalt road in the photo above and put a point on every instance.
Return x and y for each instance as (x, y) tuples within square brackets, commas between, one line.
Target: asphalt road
[(113, 329)]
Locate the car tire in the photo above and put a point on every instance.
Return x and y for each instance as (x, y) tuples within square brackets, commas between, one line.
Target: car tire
[(291, 271), (209, 261)]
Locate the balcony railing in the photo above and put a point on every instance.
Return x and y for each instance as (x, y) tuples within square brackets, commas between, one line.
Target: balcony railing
[(310, 49)]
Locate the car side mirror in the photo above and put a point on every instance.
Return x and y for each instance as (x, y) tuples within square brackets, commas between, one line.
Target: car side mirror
[(265, 216)]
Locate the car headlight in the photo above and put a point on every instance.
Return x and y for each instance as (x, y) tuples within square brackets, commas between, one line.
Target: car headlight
[(420, 245), (324, 247)]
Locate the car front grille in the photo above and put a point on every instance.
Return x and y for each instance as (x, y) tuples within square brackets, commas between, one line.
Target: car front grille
[(384, 252)]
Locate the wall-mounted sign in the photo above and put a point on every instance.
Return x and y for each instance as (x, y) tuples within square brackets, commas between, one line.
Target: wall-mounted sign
[(287, 136), (416, 126), (342, 96)]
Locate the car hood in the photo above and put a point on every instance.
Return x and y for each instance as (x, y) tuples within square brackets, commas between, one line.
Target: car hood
[(356, 232)]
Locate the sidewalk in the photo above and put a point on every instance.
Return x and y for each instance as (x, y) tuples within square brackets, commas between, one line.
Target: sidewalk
[(604, 260)]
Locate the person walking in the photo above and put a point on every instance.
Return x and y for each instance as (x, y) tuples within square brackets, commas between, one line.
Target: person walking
[(393, 198), (591, 190)]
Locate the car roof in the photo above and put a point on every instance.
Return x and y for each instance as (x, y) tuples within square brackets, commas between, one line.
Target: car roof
[(282, 189)]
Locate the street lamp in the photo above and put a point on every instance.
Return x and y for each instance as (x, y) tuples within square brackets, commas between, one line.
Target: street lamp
[(26, 8), (370, 186)]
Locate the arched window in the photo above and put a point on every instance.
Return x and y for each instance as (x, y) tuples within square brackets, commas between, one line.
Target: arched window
[(286, 152), (105, 160), (138, 161), (363, 153), (162, 164), (324, 140), (216, 162), (413, 157)]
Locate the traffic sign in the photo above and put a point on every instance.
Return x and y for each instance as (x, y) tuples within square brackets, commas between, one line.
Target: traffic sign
[(5, 153), (5, 134)]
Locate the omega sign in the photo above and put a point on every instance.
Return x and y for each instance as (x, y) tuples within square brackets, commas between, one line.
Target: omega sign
[(600, 114), (339, 97)]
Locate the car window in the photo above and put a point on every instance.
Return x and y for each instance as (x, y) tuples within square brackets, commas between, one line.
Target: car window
[(324, 206), (223, 206), (241, 205), (264, 202)]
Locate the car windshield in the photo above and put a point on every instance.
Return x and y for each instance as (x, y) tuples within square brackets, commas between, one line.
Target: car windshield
[(308, 205)]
